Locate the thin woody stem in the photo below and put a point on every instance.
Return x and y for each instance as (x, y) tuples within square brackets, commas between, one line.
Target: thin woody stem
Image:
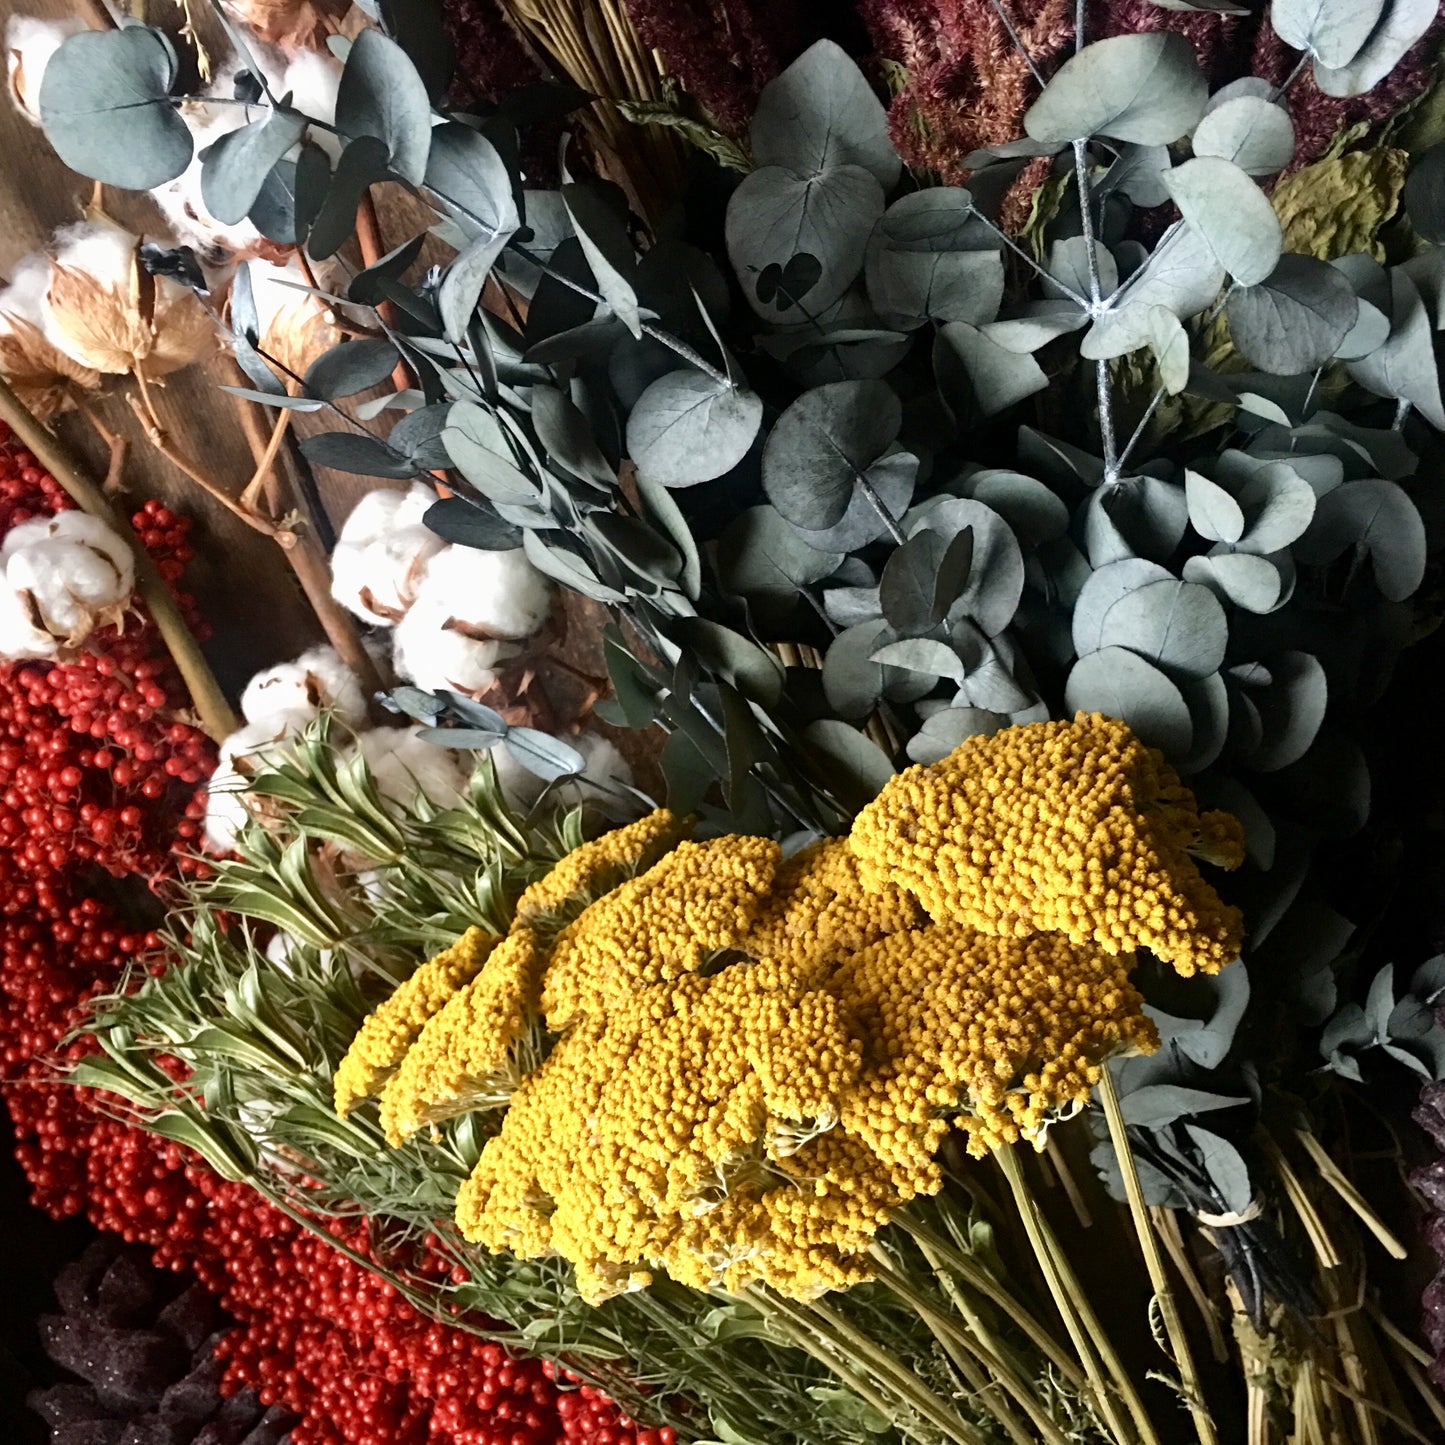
[(215, 713), (266, 461)]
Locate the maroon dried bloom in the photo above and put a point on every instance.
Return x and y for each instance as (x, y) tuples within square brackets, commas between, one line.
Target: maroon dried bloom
[(491, 60), (722, 52)]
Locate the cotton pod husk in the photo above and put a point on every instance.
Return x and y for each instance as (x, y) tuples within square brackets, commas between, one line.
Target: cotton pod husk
[(293, 693), (108, 312), (30, 41), (37, 367), (293, 326), (290, 25), (71, 573), (382, 554)]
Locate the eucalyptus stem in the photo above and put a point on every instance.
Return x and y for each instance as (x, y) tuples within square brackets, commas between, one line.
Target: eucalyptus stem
[(870, 493), (1078, 1316), (1154, 1263), (216, 716), (1096, 298)]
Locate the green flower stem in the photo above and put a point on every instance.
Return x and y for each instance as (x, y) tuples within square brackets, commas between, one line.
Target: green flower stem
[(1094, 1349), (1154, 1263), (979, 1279), (836, 1336), (969, 1350)]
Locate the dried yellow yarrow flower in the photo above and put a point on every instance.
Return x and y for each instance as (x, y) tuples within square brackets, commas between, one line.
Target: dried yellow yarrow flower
[(595, 868), (465, 1057), (382, 1041), (998, 1035), (681, 1130), (819, 911), (1067, 827), (699, 899)]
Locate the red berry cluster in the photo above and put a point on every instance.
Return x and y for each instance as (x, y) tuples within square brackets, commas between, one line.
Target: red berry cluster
[(98, 772)]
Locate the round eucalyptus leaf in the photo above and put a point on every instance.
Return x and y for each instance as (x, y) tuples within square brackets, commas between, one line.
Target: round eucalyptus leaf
[(996, 564), (1034, 514), (1231, 215), (106, 108), (1291, 711), (779, 215), (1425, 194), (921, 654), (977, 376), (822, 446), (852, 763), (893, 477), (853, 682), (821, 112), (1278, 505), (1148, 89), (1208, 702), (1296, 319), (382, 95), (1255, 583), (1135, 516), (1403, 23), (1178, 626), (1254, 133), (235, 167), (943, 731), (1122, 684), (1231, 795), (936, 218), (911, 288), (1378, 519), (470, 180), (1333, 31), (1404, 368), (688, 428), (1213, 513), (763, 555), (1102, 590)]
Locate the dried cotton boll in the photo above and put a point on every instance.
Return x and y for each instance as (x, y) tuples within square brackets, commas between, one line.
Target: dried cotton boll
[(430, 649), (382, 554), (293, 326), (108, 312), (403, 766), (29, 44), (489, 594), (32, 360), (181, 203), (237, 757), (291, 694), (289, 24), (70, 572)]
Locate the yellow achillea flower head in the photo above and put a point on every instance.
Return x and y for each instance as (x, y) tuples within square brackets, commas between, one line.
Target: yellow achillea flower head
[(383, 1039), (1068, 827), (464, 1058), (699, 899), (595, 868), (998, 1035), (679, 1130), (819, 911)]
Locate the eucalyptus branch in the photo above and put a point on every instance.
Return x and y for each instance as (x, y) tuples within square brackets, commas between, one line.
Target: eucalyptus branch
[(1101, 367), (999, 234), (1137, 434), (870, 493)]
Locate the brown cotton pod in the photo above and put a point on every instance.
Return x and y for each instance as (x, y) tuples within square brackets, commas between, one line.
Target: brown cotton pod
[(39, 373), (112, 315), (290, 25)]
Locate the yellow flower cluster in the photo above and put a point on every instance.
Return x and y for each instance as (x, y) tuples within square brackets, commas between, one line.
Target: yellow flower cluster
[(463, 1059), (677, 1130), (1005, 1034), (699, 899), (1067, 827), (595, 868), (383, 1040), (819, 911), (759, 1060)]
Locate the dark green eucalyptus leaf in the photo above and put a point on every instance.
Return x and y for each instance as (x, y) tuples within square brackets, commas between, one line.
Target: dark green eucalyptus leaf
[(892, 479), (1253, 132), (235, 167), (1034, 514), (1178, 626), (349, 367), (1207, 699), (688, 427), (908, 588), (292, 195), (666, 516), (471, 182), (821, 447), (763, 557), (856, 767), (363, 163), (352, 452), (365, 286), (567, 439), (922, 655), (979, 378), (688, 773), (419, 435), (650, 557), (1403, 23), (419, 28), (1291, 710), (1379, 520), (468, 525), (382, 95), (1148, 89), (462, 284), (1425, 194), (602, 233), (852, 681), (1230, 213), (820, 113), (755, 672), (1138, 173), (1122, 684), (1135, 516), (1296, 319), (566, 567)]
